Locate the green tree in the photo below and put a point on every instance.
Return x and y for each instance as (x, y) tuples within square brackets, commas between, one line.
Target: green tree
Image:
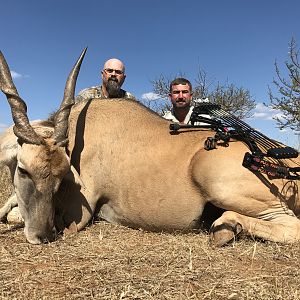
[(233, 99), (287, 98)]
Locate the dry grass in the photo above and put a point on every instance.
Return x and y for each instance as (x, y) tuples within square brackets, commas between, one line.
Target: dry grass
[(112, 262)]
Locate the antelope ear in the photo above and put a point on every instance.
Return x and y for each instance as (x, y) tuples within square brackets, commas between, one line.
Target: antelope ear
[(63, 143)]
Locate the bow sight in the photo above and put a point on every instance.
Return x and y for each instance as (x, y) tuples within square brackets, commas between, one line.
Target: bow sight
[(227, 127)]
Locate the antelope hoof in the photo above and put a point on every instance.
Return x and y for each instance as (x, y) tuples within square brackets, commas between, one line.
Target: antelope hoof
[(222, 234), (14, 217)]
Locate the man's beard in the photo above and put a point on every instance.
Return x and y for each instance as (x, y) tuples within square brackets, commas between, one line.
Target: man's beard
[(182, 104), (113, 88)]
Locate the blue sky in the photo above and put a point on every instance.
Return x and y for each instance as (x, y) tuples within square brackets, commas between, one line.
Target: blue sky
[(236, 41)]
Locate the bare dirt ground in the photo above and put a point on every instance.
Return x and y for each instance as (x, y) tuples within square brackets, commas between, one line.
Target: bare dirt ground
[(112, 262)]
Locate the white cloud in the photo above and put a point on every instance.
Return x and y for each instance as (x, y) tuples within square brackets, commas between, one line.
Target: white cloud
[(263, 112), (261, 115), (3, 127), (150, 96), (15, 75)]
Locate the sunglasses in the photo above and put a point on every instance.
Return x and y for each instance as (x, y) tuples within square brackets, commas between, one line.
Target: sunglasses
[(110, 71)]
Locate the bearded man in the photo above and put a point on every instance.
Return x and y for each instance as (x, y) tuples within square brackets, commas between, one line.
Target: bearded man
[(113, 76)]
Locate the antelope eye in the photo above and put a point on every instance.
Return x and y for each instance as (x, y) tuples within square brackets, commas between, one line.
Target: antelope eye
[(22, 172)]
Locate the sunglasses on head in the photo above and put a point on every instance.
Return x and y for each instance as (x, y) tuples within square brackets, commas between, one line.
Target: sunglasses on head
[(110, 71)]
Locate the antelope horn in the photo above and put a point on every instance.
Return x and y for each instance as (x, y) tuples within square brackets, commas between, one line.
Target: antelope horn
[(62, 115), (22, 128)]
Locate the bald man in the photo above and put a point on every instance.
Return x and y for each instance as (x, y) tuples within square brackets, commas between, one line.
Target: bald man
[(113, 76)]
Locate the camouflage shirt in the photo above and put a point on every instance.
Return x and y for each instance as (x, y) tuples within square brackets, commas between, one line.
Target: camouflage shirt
[(96, 92)]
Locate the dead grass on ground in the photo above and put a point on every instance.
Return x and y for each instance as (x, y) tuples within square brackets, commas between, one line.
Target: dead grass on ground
[(113, 262)]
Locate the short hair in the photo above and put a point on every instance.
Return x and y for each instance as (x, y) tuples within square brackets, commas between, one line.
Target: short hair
[(114, 60), (180, 80)]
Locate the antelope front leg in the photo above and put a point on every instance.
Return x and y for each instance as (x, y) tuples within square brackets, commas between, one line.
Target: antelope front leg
[(7, 212), (283, 229), (75, 209)]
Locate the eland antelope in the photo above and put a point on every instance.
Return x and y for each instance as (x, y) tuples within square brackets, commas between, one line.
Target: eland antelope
[(117, 159)]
